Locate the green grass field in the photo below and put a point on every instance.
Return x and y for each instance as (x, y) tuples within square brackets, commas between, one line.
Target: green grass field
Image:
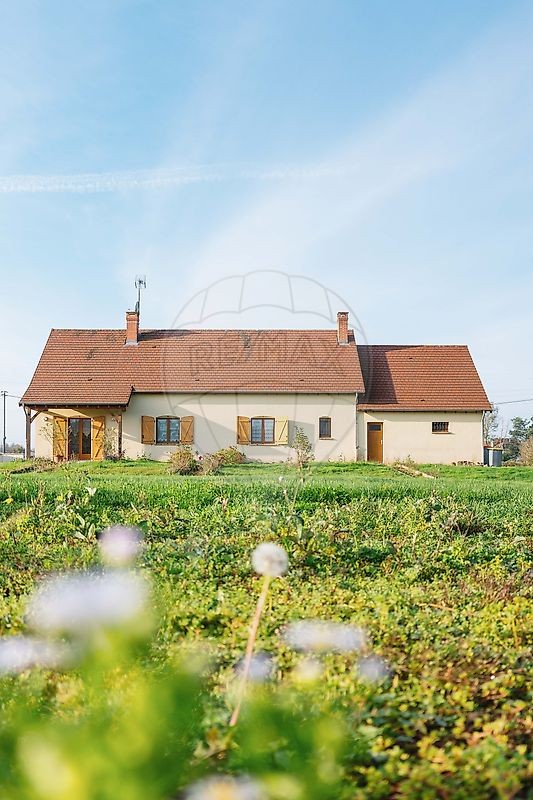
[(439, 573)]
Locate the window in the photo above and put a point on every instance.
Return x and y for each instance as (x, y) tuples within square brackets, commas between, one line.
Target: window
[(262, 430), (439, 427), (167, 430), (324, 428)]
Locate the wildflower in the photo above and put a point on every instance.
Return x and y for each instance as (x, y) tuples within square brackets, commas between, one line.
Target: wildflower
[(261, 668), (91, 490), (308, 670), (18, 653), (119, 545), (225, 787), (270, 559), (372, 669), (322, 636), (82, 603)]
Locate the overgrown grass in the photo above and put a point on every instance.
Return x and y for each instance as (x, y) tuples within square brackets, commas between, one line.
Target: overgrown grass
[(438, 571)]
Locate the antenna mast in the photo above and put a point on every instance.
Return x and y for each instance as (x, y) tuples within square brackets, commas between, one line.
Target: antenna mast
[(140, 283)]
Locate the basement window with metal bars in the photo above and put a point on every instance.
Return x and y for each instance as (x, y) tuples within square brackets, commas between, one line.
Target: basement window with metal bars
[(440, 427), (324, 428)]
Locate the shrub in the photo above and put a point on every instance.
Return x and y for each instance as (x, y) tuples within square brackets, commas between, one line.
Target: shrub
[(526, 452), (302, 447), (209, 464), (230, 455), (182, 461)]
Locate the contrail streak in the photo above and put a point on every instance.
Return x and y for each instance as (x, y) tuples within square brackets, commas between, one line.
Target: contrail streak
[(161, 178)]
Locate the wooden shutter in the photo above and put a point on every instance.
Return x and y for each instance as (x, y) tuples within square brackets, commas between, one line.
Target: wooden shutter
[(59, 445), (282, 430), (243, 430), (97, 438), (187, 430), (147, 430)]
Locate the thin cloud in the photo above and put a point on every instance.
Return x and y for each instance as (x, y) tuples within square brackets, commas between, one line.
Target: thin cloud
[(163, 178)]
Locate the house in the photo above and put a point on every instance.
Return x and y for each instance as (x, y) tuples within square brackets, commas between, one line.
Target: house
[(144, 392)]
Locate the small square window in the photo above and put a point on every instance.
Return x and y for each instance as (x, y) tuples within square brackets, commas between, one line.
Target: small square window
[(324, 428), (439, 427)]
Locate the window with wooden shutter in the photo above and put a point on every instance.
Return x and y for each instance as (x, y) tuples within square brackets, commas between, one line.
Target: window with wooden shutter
[(187, 430), (147, 430), (262, 430), (243, 430), (59, 444), (282, 430), (98, 438)]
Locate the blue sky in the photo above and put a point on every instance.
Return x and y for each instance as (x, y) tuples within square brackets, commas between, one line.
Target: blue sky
[(383, 149)]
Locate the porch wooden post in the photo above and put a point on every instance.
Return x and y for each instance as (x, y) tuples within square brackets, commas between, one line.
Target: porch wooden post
[(120, 435), (27, 411)]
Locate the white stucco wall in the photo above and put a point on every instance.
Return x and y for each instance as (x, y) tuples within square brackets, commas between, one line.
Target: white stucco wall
[(407, 434), (215, 419)]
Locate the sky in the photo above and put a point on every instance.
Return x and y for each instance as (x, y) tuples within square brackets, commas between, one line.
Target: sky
[(381, 151)]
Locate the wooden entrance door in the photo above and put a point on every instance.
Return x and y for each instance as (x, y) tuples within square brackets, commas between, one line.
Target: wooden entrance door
[(374, 441), (79, 438)]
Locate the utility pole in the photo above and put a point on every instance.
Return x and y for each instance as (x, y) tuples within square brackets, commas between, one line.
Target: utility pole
[(4, 395)]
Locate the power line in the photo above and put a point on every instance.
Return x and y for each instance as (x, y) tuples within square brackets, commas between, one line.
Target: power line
[(510, 402)]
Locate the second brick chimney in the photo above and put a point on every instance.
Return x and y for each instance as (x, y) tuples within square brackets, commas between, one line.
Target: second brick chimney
[(342, 327), (132, 327)]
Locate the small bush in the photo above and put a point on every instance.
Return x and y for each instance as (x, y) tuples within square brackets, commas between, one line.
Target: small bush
[(230, 455), (182, 461), (209, 464), (302, 447)]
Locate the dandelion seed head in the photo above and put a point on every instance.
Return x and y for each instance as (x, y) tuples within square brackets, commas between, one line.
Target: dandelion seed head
[(119, 545), (82, 603), (270, 559), (225, 788), (323, 637), (19, 653), (261, 669), (372, 669)]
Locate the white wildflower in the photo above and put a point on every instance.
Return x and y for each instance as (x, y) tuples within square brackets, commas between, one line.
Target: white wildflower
[(308, 670), (322, 636), (18, 653), (261, 668), (91, 490), (225, 788), (372, 669), (119, 545), (86, 602), (270, 559)]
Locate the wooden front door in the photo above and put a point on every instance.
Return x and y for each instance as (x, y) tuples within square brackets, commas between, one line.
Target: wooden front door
[(79, 438), (374, 441)]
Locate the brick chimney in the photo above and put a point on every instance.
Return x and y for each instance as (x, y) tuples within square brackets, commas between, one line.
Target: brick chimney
[(132, 327), (342, 327)]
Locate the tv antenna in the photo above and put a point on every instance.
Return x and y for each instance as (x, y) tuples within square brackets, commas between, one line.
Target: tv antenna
[(140, 283)]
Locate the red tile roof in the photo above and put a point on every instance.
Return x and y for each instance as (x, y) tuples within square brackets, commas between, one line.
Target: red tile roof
[(96, 367), (418, 377)]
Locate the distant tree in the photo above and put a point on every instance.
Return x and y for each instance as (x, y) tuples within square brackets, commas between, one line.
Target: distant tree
[(526, 452), (491, 424), (14, 448), (521, 430)]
